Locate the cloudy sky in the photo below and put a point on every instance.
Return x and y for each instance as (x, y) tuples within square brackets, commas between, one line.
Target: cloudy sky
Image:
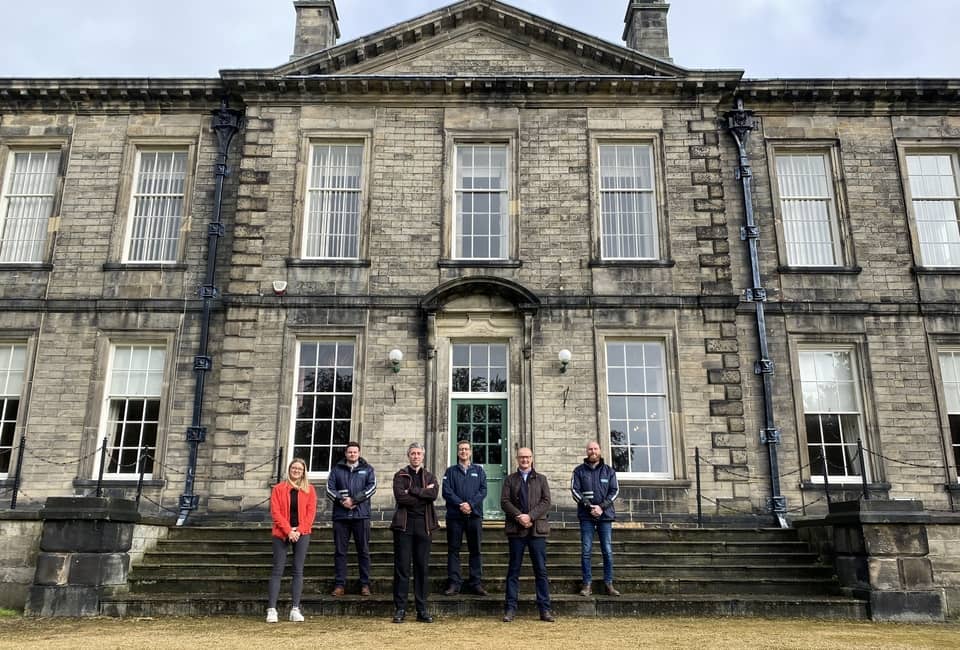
[(196, 38)]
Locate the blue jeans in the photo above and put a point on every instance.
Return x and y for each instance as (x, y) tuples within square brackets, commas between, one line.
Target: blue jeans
[(538, 557), (605, 530)]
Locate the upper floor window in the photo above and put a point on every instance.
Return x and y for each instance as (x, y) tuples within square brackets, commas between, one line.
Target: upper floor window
[(628, 207), (157, 206), (832, 413), (333, 212), (323, 402), (482, 201), (950, 372), (132, 417), (936, 205), (638, 409), (12, 365), (808, 209), (26, 204)]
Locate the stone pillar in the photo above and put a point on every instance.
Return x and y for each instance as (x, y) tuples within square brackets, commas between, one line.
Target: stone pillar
[(83, 554), (318, 26), (645, 28), (881, 553)]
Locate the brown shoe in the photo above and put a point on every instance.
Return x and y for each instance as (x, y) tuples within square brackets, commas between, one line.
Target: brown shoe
[(365, 590), (611, 590), (586, 589), (337, 591), (547, 616), (451, 591), (480, 591)]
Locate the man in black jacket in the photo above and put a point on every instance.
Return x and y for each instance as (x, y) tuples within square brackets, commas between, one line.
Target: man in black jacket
[(414, 521), (464, 489), (526, 500)]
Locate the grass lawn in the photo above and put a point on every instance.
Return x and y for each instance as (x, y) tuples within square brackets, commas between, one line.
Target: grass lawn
[(470, 633)]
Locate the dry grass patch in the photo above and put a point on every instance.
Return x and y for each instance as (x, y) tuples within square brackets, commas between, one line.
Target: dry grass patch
[(470, 633)]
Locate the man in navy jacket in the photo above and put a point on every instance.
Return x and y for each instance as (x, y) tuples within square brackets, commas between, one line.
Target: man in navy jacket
[(464, 489), (350, 485), (594, 487)]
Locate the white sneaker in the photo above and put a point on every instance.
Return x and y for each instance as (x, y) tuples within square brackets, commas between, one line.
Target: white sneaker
[(295, 615), (272, 615)]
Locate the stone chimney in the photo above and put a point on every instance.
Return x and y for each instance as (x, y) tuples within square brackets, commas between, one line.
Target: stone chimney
[(645, 28), (318, 26)]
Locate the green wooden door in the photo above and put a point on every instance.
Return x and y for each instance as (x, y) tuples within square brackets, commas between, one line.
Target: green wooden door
[(484, 424)]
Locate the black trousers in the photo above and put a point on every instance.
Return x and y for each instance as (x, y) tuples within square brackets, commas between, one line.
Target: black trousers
[(413, 544), (456, 527)]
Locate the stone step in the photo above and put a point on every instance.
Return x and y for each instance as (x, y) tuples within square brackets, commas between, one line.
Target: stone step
[(490, 544), (454, 608), (258, 532), (220, 570), (562, 584), (564, 555)]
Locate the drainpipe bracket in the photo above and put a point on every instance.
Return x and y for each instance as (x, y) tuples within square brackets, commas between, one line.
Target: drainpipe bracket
[(196, 434), (209, 291), (763, 367), (777, 505), (202, 362), (749, 232), (216, 230), (757, 294), (770, 436), (189, 502)]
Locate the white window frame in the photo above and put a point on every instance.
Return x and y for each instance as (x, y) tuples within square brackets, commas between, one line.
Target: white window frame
[(790, 227), (40, 241), (665, 395), (506, 193), (292, 447), (165, 256), (108, 432), (951, 198), (11, 388), (320, 222), (650, 190), (859, 411), (950, 387)]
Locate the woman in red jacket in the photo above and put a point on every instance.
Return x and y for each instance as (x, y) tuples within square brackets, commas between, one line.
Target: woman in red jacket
[(293, 506)]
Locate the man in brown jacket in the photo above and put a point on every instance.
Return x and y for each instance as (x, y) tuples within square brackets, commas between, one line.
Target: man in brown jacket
[(414, 521), (526, 500)]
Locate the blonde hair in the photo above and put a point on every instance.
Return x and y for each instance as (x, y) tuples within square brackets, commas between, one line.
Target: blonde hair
[(303, 484)]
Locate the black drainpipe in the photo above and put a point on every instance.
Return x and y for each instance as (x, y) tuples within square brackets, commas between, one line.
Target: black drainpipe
[(226, 122), (740, 123)]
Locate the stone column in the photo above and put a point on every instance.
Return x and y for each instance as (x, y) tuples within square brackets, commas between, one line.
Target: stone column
[(83, 554), (881, 554)]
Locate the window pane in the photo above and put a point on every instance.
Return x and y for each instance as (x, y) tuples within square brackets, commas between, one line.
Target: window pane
[(156, 206), (324, 402), (333, 206), (627, 214), (28, 203), (638, 415), (481, 199)]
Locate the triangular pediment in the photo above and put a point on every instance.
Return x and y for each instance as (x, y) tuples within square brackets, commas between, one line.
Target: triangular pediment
[(479, 38)]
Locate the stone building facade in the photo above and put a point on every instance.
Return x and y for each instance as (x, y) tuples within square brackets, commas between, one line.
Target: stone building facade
[(480, 189)]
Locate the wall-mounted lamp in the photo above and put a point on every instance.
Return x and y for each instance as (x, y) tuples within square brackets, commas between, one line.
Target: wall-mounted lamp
[(396, 356), (279, 287), (564, 358)]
